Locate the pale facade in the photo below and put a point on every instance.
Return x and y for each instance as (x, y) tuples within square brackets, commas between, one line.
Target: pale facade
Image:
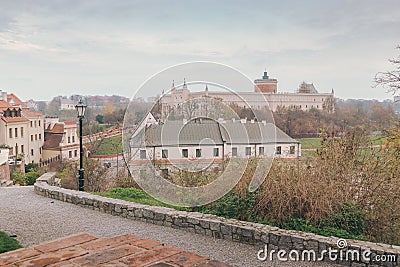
[(200, 143), (264, 97), (61, 140), (21, 130)]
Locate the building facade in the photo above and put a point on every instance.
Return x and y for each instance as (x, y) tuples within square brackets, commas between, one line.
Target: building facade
[(21, 129), (264, 97), (199, 143), (61, 140)]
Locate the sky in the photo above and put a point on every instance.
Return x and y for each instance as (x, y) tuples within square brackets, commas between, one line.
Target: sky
[(105, 47)]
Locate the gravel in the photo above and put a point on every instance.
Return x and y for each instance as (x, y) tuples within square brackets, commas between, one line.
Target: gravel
[(36, 219)]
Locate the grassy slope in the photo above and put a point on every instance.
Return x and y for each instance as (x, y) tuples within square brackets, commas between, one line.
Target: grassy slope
[(111, 145), (7, 243)]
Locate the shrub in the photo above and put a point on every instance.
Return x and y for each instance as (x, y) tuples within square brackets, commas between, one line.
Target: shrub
[(7, 243), (30, 177)]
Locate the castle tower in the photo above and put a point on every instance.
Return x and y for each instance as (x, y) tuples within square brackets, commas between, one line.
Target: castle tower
[(266, 84)]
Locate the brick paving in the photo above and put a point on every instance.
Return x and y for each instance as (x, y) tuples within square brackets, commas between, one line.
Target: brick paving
[(87, 250)]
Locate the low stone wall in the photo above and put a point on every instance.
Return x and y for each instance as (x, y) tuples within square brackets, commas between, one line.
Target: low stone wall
[(270, 239)]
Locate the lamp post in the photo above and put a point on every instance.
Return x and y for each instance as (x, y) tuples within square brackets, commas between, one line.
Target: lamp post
[(80, 109)]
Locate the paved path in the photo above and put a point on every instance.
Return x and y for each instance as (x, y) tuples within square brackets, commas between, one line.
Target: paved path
[(85, 250), (36, 219)]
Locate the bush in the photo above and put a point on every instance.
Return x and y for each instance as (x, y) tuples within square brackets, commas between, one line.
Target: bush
[(18, 177), (30, 177), (7, 243), (31, 167)]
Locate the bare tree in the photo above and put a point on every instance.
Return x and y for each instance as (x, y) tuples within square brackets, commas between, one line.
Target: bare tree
[(390, 79)]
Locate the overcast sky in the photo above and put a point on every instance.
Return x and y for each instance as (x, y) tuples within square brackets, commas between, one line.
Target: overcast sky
[(50, 48)]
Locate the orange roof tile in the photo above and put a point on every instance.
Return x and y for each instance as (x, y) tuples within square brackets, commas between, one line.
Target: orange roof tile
[(16, 100), (70, 122), (14, 119), (4, 105)]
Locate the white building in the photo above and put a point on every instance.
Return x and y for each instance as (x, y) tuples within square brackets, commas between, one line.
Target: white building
[(264, 96), (199, 142), (21, 129), (61, 140)]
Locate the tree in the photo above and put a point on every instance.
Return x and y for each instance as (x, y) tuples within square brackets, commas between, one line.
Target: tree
[(390, 79)]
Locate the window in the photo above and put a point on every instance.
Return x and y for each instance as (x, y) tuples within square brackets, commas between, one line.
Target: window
[(31, 137), (70, 154), (22, 149), (216, 152), (278, 150), (75, 153), (198, 153), (142, 154), (10, 132), (40, 136), (185, 153), (39, 122), (40, 150), (16, 132), (248, 151), (261, 151), (234, 151), (31, 124), (22, 131), (73, 139), (69, 139), (164, 153), (291, 150), (35, 136), (31, 152)]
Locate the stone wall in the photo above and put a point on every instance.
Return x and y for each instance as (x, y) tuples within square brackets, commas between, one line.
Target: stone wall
[(218, 227)]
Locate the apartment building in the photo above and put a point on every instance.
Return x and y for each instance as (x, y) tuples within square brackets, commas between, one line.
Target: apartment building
[(21, 129)]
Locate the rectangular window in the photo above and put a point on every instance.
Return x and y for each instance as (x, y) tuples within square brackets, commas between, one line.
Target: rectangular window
[(164, 153), (292, 149), (22, 149), (142, 154), (75, 153), (198, 153), (261, 151), (185, 153), (278, 150), (69, 139), (10, 132), (73, 139), (35, 136), (31, 152), (16, 132), (22, 131), (70, 154), (39, 122), (31, 137), (31, 124), (248, 151), (40, 136), (216, 152), (234, 151)]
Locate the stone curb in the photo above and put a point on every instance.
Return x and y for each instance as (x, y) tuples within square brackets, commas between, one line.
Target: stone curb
[(222, 228)]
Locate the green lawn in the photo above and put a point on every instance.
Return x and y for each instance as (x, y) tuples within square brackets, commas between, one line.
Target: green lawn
[(309, 143), (111, 145), (135, 195), (8, 243)]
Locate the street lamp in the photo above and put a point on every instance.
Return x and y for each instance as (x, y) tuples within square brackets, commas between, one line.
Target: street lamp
[(80, 109)]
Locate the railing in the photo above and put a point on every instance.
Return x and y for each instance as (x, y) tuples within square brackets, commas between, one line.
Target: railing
[(50, 161)]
